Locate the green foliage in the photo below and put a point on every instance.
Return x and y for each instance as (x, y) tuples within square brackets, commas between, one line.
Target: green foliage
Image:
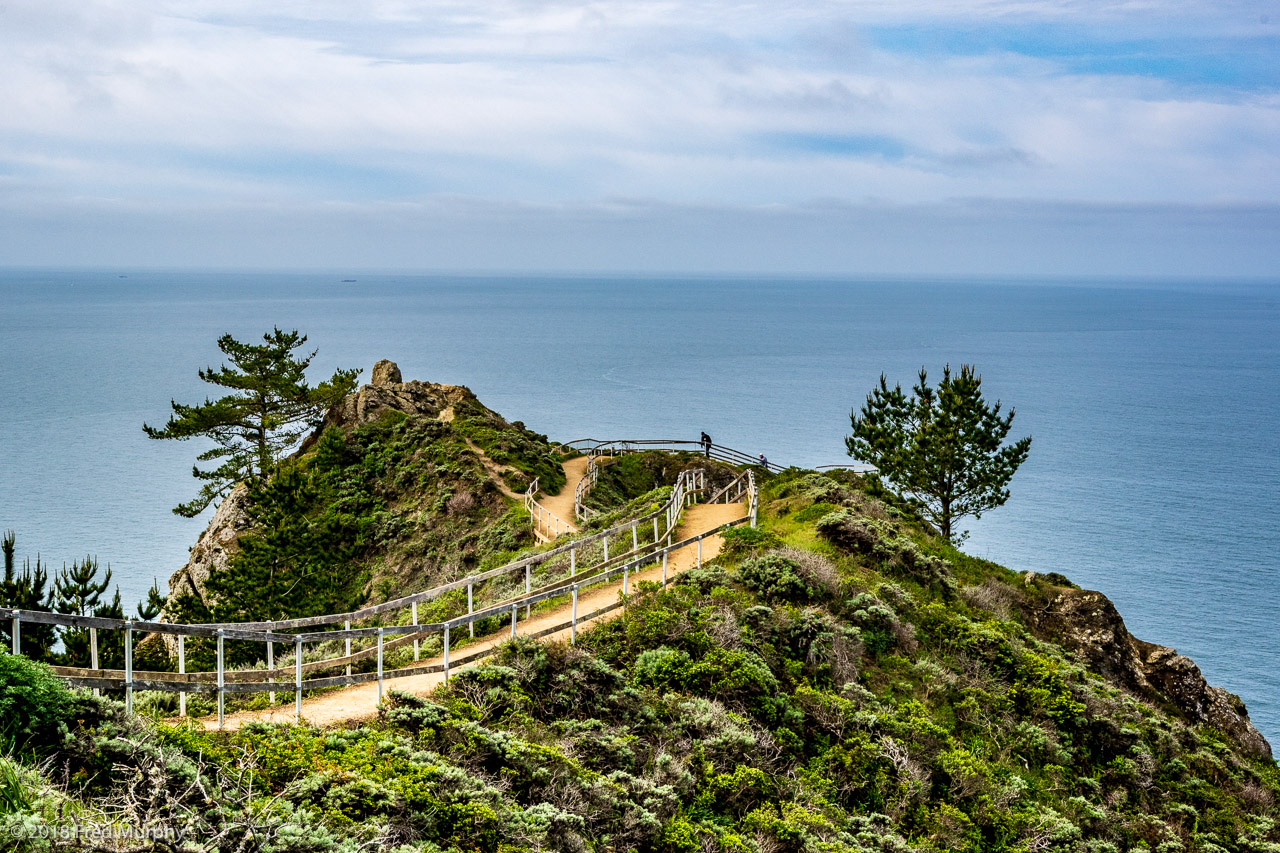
[(14, 795), (35, 707), (883, 541), (514, 445), (776, 578), (25, 591), (270, 409), (942, 446), (154, 605), (386, 491), (742, 540), (78, 591)]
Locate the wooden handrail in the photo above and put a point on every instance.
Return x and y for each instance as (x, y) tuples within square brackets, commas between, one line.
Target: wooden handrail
[(690, 483)]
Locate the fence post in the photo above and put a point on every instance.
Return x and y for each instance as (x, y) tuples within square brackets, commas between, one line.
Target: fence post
[(415, 636), (573, 622), (221, 677), (346, 626), (573, 562), (664, 568), (128, 668), (626, 575), (14, 633), (297, 679), (182, 667), (635, 543), (271, 664), (93, 662), (379, 664), (471, 626), (513, 621), (699, 550), (606, 547), (528, 572), (655, 529), (446, 653)]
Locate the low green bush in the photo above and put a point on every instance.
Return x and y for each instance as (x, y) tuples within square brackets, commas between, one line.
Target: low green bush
[(37, 711), (777, 578)]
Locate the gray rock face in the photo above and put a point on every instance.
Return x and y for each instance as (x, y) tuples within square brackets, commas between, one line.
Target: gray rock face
[(386, 392), (386, 373), (1087, 623), (211, 553), (414, 398)]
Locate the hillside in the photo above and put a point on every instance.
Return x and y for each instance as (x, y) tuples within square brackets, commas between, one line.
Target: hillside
[(838, 679), (404, 486)]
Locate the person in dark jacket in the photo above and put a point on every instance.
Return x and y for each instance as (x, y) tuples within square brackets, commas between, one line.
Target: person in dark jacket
[(706, 444)]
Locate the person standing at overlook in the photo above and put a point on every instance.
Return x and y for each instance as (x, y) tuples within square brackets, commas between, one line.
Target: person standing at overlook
[(706, 444)]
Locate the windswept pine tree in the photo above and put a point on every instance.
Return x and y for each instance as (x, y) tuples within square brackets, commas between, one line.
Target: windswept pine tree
[(78, 592), (270, 409), (27, 591)]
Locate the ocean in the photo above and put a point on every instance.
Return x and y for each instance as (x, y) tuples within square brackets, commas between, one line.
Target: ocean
[(1153, 474)]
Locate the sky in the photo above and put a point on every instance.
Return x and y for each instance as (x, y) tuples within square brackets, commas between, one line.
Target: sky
[(815, 137)]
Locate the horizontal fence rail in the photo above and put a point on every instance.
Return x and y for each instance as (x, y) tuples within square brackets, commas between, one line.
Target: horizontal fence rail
[(655, 551), (715, 451)]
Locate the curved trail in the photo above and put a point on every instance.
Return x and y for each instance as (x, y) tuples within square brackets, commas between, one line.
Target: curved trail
[(557, 514), (359, 702)]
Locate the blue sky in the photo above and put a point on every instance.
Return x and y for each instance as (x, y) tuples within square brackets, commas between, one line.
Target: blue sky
[(966, 136)]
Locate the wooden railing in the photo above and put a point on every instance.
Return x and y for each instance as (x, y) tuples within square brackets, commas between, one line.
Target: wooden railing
[(546, 524), (689, 486), (714, 451)]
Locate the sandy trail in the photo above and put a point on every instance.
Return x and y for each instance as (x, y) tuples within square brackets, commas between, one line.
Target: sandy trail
[(561, 505), (359, 702)]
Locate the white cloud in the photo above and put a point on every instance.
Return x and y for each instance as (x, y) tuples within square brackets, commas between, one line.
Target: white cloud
[(702, 103)]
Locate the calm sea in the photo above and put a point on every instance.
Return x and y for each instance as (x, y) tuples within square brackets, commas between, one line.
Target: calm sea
[(1153, 475)]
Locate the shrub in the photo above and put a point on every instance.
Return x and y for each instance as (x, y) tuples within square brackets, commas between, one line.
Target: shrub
[(816, 569), (776, 578), (848, 532), (748, 540), (663, 668), (704, 579), (37, 710)]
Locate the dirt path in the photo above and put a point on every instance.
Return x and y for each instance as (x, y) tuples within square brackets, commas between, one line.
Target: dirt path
[(359, 702), (561, 505), (495, 470)]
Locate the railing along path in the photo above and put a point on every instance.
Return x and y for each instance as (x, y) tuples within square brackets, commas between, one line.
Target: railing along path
[(655, 550)]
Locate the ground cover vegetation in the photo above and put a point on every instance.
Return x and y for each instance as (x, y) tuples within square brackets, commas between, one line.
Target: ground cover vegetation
[(840, 678)]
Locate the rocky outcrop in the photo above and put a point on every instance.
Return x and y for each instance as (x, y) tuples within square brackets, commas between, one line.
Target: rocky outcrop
[(1087, 623), (386, 392), (214, 548)]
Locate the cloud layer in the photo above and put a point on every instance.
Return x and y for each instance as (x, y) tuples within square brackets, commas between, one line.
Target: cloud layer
[(300, 113)]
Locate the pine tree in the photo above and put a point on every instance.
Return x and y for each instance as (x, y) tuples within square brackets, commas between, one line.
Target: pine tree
[(25, 591), (154, 605), (78, 592), (941, 447), (271, 409)]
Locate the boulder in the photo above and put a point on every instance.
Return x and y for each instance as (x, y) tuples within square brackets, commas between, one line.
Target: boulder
[(386, 372)]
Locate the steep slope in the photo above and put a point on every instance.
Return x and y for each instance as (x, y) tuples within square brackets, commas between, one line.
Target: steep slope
[(406, 484)]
